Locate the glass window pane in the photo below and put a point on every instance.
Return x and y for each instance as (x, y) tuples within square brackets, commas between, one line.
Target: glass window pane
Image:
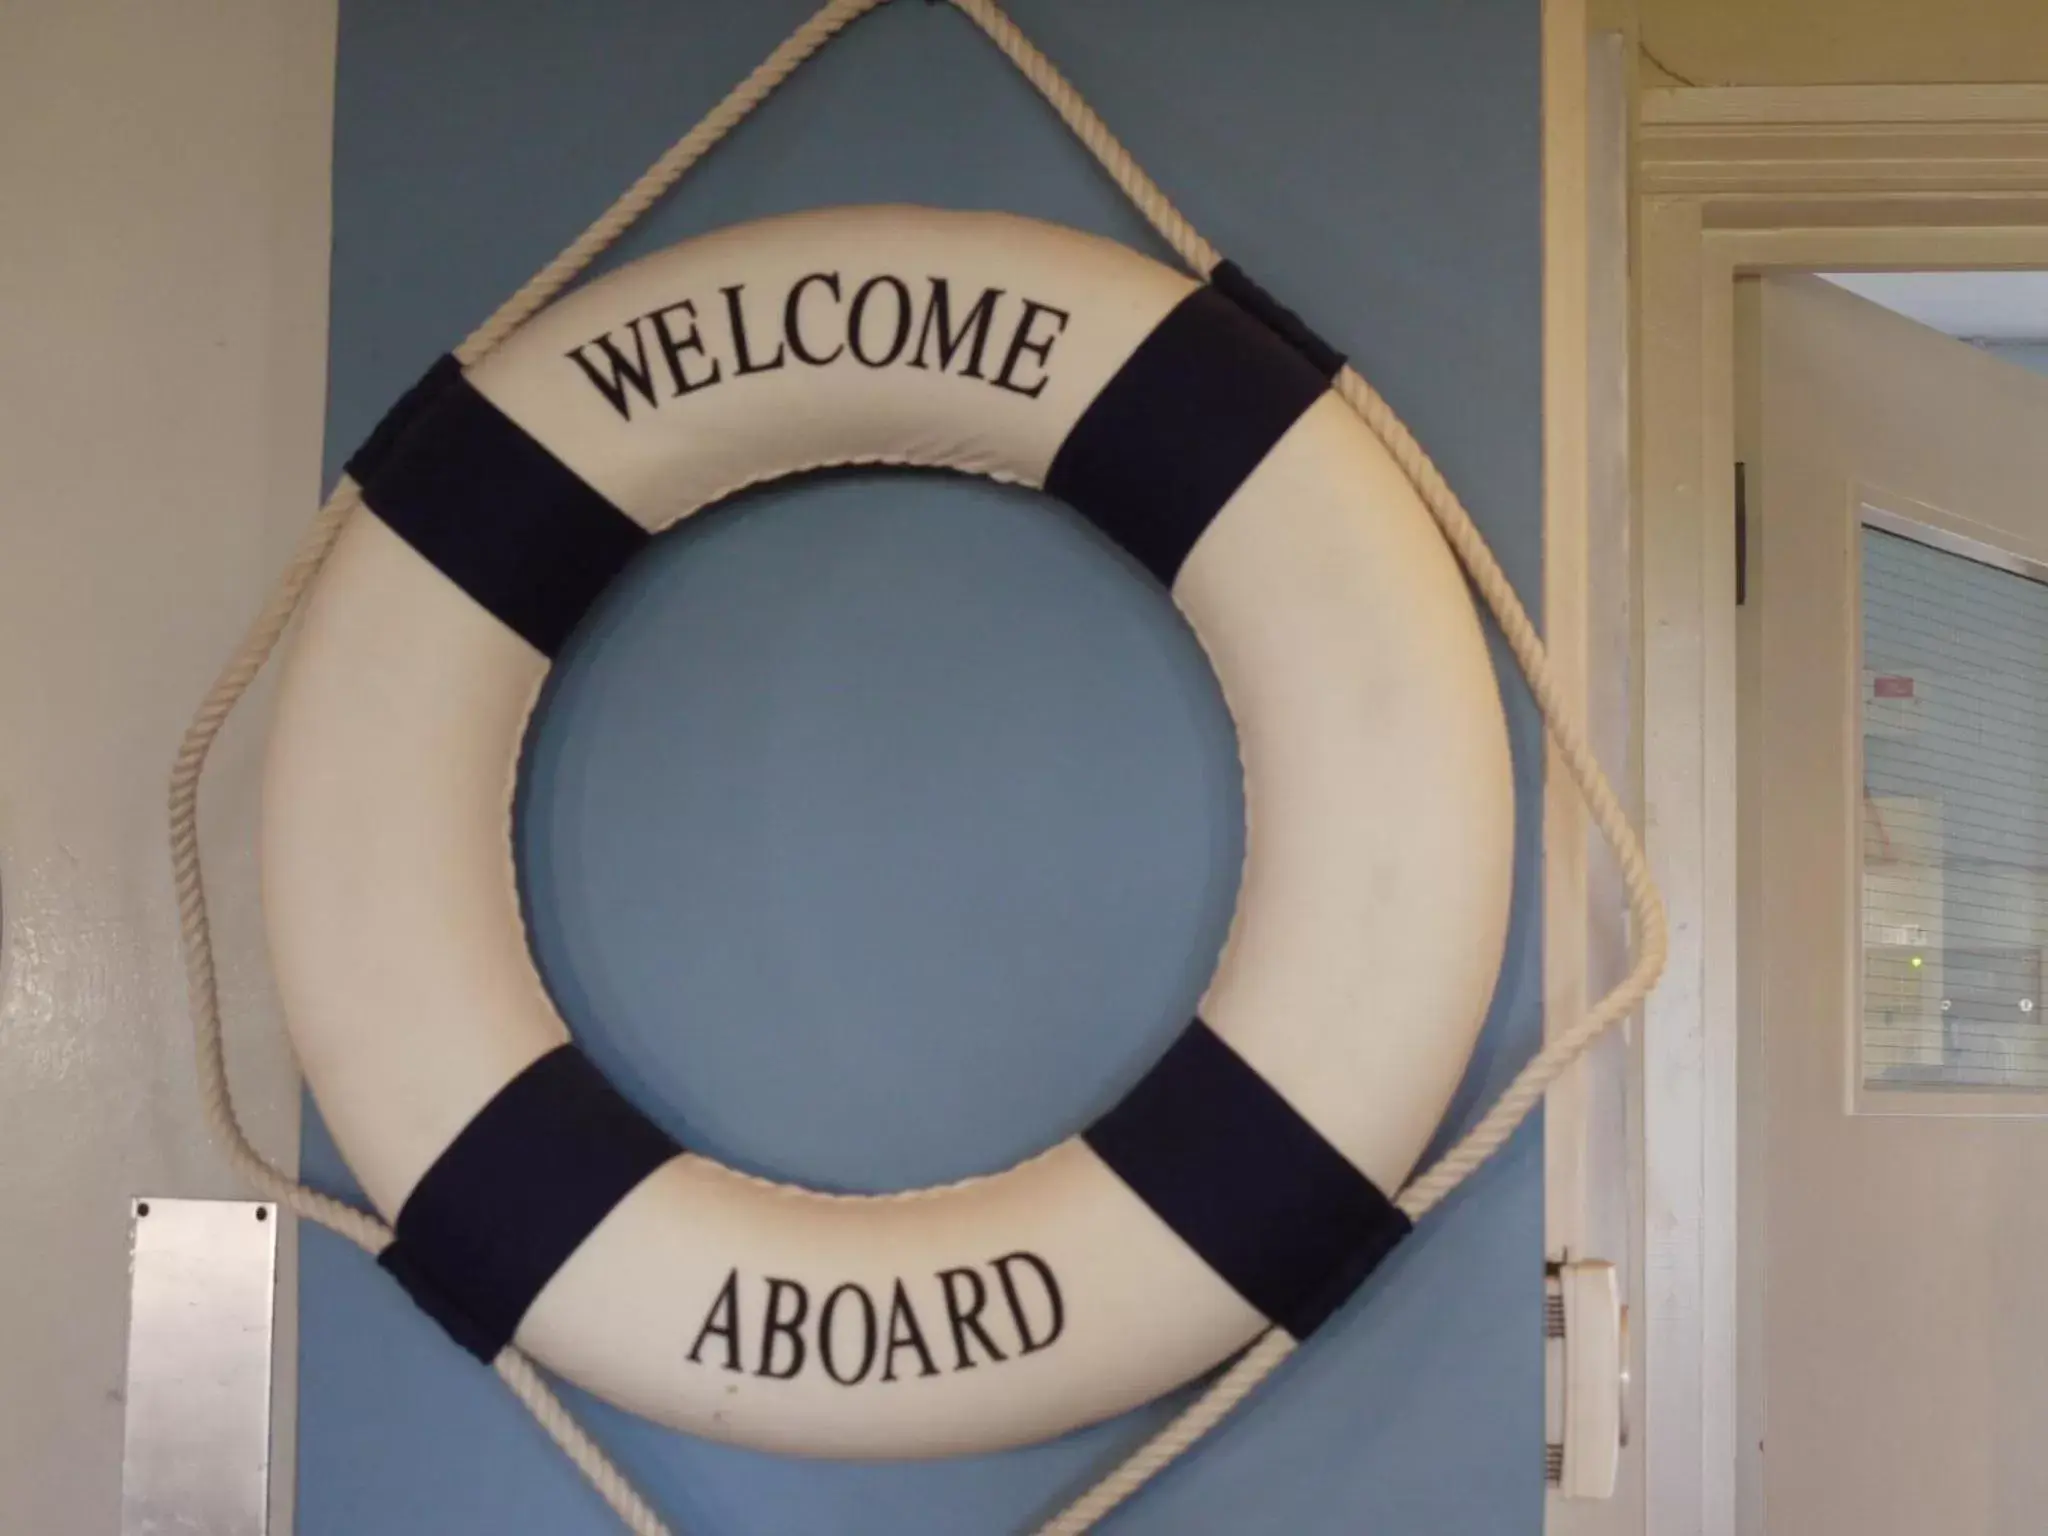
[(1955, 820)]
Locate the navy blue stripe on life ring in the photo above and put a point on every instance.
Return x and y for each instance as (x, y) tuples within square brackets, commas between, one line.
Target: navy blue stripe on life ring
[(491, 509), (516, 1193), (1247, 1183), (1235, 284), (1185, 421)]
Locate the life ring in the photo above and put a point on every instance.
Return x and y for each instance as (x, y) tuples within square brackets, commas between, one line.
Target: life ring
[(1240, 1185)]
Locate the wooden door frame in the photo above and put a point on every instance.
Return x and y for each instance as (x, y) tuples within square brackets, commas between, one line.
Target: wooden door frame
[(1729, 181)]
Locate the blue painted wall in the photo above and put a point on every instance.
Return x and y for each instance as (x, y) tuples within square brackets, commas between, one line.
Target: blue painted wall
[(883, 827)]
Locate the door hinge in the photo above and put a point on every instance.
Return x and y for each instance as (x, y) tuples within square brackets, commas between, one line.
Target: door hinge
[(1741, 533)]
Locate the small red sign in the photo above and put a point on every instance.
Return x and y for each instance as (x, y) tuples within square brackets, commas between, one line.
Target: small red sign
[(1892, 687)]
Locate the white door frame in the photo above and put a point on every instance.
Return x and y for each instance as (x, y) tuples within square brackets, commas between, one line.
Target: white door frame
[(1590, 1163), (1732, 180)]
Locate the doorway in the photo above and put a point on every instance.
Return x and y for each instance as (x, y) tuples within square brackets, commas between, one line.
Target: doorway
[(1733, 184), (1892, 866)]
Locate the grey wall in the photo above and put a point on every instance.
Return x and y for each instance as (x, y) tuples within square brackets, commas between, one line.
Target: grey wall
[(880, 831), (156, 461)]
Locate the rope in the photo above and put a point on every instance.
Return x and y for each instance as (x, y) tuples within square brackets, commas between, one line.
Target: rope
[(1264, 1356)]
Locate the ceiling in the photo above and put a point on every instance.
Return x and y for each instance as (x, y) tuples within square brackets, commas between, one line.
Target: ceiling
[(1979, 306)]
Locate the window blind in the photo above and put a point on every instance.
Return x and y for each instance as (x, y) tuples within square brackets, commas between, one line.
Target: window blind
[(1955, 820)]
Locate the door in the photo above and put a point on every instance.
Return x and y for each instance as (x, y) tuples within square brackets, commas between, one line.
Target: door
[(1894, 856)]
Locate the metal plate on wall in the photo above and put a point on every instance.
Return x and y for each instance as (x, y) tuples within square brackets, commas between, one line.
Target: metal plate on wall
[(202, 1288)]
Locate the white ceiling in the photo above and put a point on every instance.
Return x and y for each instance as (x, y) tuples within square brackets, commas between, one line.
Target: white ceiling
[(1981, 306)]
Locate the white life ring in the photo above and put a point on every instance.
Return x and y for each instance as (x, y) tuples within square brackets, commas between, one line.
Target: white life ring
[(1239, 1185)]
